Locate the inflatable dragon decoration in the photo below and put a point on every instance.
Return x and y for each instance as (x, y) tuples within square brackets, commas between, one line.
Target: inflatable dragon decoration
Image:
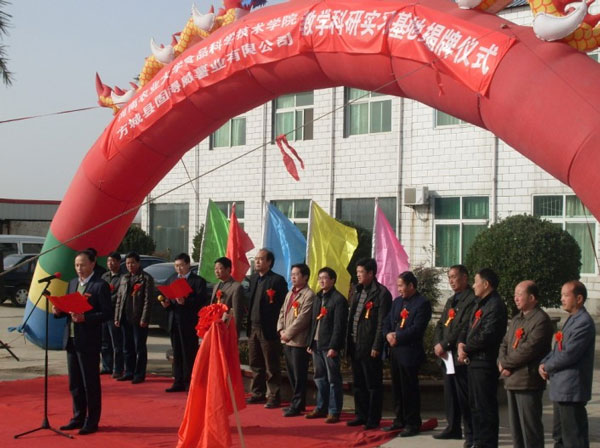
[(554, 20)]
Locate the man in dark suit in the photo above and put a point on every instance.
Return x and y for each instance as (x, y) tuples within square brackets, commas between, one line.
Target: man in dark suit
[(112, 360), (478, 347), (454, 319), (182, 320), (132, 314), (404, 329), (325, 342), (570, 369), (370, 302), (228, 291), (266, 296), (82, 340)]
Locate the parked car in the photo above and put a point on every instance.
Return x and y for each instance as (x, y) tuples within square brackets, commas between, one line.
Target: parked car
[(20, 244), (161, 272), (145, 261), (16, 283)]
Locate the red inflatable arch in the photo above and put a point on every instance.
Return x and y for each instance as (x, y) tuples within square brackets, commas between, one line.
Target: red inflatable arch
[(541, 98)]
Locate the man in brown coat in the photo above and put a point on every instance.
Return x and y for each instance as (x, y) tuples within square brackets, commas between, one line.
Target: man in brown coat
[(228, 291), (293, 327), (526, 342)]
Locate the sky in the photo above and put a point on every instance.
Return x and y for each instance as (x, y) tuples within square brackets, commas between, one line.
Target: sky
[(55, 49)]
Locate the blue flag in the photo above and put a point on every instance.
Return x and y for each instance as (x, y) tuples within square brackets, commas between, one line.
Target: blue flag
[(286, 242)]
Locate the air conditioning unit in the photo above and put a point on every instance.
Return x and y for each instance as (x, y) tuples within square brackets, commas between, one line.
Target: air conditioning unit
[(416, 196)]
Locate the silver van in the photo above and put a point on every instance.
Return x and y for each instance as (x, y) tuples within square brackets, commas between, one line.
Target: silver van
[(20, 244)]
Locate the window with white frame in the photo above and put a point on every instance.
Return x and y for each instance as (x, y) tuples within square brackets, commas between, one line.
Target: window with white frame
[(293, 116), (169, 227), (225, 207), (444, 119), (569, 212), (296, 211), (361, 211), (232, 133), (458, 221), (366, 112)]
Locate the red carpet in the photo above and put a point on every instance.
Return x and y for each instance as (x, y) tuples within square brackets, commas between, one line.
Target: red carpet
[(145, 416)]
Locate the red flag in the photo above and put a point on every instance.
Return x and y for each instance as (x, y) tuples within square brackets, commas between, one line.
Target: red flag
[(205, 421), (238, 243)]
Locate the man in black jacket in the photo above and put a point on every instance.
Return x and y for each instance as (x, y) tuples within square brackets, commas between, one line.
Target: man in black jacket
[(182, 320), (325, 341), (369, 304), (404, 329), (115, 360), (454, 319), (266, 296), (82, 340), (478, 347)]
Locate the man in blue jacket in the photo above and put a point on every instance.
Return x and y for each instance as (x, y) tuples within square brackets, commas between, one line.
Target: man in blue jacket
[(570, 367), (404, 329)]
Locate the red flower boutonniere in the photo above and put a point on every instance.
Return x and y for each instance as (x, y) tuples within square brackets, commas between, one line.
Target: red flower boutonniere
[(112, 287), (136, 289), (478, 315), (519, 332), (559, 338), (368, 307), (271, 295), (451, 316), (403, 315), (323, 313), (218, 295), (295, 305)]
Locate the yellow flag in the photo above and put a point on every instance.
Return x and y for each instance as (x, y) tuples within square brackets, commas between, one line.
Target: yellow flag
[(330, 243)]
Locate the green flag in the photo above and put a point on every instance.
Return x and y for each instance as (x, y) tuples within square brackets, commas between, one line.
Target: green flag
[(214, 243)]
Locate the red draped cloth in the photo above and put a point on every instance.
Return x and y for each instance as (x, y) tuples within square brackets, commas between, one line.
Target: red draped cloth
[(206, 420)]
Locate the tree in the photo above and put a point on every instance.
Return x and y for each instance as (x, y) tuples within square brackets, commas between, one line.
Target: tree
[(524, 247), (137, 240), (4, 24), (197, 244)]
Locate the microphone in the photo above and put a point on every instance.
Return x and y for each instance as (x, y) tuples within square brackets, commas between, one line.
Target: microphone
[(50, 277)]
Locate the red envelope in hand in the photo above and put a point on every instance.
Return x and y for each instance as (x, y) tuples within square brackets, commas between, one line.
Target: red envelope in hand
[(71, 303), (179, 288)]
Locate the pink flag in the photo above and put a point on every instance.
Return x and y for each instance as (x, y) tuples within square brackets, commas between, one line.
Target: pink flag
[(391, 257)]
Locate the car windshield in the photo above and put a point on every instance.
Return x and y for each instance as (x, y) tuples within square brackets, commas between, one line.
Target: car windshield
[(160, 271), (11, 260)]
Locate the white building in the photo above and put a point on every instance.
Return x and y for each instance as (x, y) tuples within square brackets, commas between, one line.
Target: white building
[(379, 146)]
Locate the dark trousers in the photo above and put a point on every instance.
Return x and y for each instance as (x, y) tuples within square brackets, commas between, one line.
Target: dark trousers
[(296, 361), (106, 349), (570, 429), (525, 418), (134, 349), (112, 360), (456, 398), (367, 375), (328, 379), (483, 385), (84, 385), (264, 361), (405, 389), (184, 341)]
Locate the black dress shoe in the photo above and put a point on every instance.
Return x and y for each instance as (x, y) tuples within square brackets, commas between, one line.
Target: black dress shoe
[(117, 375), (393, 427), (125, 378), (255, 399), (355, 422), (87, 430), (272, 404), (410, 432), (175, 388), (371, 426), (138, 380), (71, 425), (444, 435), (292, 412), (105, 372)]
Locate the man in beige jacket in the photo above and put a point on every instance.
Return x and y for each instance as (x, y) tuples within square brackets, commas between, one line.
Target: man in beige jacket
[(293, 327)]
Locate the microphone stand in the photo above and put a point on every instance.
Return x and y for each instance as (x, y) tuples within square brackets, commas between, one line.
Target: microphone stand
[(45, 422)]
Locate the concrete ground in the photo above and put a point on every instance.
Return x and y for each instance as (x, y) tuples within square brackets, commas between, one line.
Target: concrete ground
[(31, 365)]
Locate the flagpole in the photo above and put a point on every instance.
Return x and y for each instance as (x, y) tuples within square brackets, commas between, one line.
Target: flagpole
[(309, 232), (235, 411), (373, 237), (265, 223)]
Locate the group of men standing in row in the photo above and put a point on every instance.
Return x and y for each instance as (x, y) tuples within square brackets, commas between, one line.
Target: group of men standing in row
[(472, 332)]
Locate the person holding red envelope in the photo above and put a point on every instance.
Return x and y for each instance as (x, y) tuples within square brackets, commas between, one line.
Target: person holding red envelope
[(82, 340), (183, 317)]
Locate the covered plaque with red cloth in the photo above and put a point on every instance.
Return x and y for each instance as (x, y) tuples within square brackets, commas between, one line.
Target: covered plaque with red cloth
[(71, 303), (180, 288), (206, 420)]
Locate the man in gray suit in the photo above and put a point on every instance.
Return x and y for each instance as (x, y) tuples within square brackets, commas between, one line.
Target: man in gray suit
[(570, 367)]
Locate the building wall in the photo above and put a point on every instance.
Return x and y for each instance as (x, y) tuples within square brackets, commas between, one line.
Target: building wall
[(457, 160)]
